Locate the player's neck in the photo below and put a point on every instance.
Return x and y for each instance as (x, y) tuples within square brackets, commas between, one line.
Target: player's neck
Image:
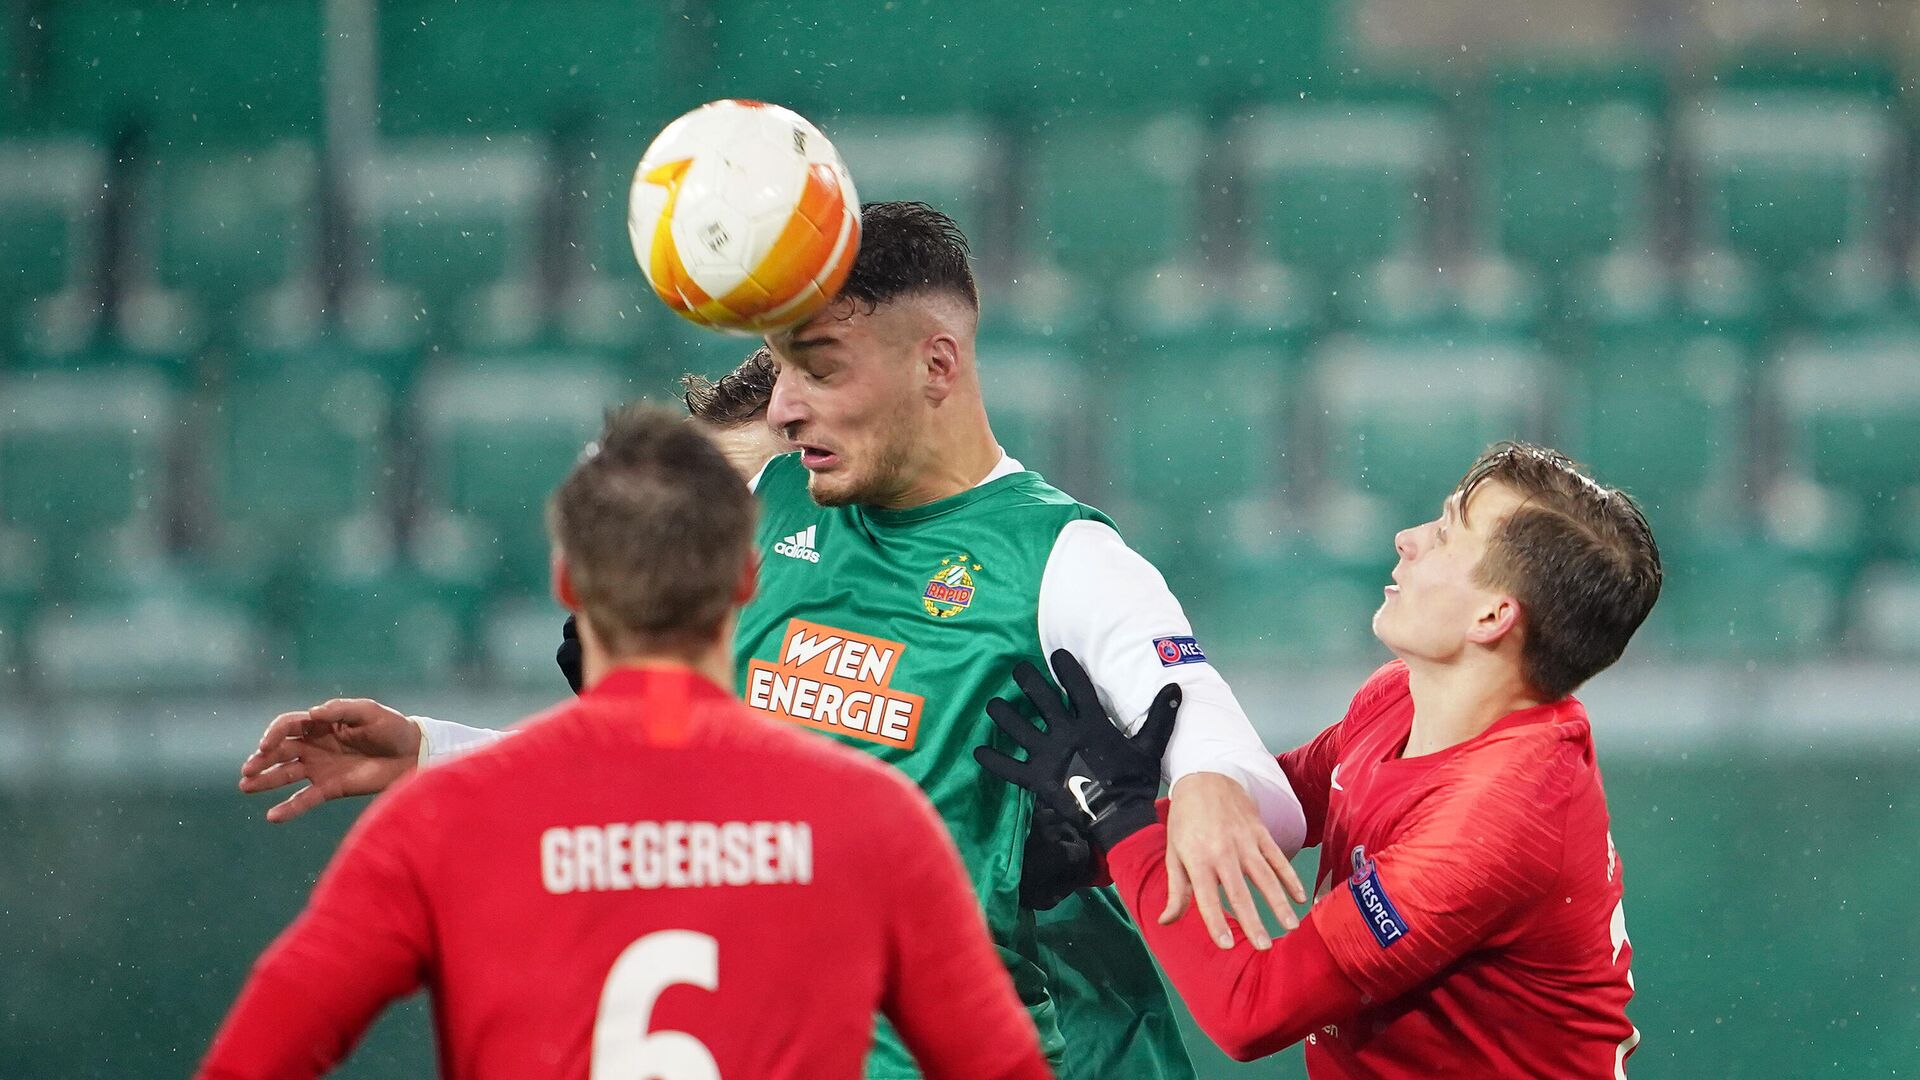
[(714, 662), (956, 459), (1456, 702)]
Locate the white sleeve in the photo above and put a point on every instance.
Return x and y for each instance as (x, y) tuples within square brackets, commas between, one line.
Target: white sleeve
[(443, 740), (1103, 602)]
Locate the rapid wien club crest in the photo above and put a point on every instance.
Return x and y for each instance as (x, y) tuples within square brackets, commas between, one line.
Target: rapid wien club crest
[(950, 589)]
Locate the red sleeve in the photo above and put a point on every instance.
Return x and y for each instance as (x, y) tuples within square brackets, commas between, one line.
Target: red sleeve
[(1250, 1003), (362, 941), (949, 994), (1309, 769), (1468, 856)]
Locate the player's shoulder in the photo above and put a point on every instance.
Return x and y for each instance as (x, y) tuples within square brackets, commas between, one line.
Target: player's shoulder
[(1527, 766), (1029, 494), (1556, 732)]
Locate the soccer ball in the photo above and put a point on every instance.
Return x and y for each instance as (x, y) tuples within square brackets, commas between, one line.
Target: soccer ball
[(743, 217)]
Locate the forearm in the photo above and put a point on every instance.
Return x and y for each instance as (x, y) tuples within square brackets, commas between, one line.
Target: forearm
[(1250, 1003), (443, 740), (1214, 735)]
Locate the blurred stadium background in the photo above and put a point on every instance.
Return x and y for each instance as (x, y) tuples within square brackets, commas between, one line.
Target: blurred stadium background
[(304, 305)]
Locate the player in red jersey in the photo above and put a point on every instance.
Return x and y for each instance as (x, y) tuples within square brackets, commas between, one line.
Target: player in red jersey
[(650, 880), (1467, 917)]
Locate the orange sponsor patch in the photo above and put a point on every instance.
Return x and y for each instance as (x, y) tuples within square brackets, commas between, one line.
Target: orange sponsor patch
[(839, 681)]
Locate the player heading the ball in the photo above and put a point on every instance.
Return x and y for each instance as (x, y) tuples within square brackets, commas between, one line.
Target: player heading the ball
[(650, 880)]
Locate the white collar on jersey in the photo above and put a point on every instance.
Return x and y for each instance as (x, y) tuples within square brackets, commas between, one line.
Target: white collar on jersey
[(1007, 466)]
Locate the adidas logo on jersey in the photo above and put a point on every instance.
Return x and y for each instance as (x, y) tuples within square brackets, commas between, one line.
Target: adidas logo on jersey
[(799, 545)]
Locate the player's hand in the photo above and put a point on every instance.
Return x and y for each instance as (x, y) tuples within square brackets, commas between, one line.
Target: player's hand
[(1079, 762), (347, 746), (1058, 860), (568, 654), (1216, 843)]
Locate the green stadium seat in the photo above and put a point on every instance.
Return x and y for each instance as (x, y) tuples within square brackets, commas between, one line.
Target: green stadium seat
[(499, 437), (398, 627), (929, 58), (1885, 617), (1283, 601), (223, 224), (954, 163), (1404, 417), (1851, 409), (1572, 166), (520, 637), (302, 461), (676, 348), (1333, 188), (1746, 601), (518, 65), (1477, 295), (22, 586), (1036, 393), (186, 74), (1792, 179), (173, 635), (83, 454), (1660, 410), (1115, 196), (1198, 447), (1711, 290), (454, 223), (49, 202), (13, 78)]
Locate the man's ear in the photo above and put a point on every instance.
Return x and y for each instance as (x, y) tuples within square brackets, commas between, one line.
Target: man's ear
[(749, 582), (942, 359), (1502, 616), (563, 582)]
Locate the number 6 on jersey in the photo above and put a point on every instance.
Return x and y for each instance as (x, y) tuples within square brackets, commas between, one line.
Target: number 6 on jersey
[(623, 1048)]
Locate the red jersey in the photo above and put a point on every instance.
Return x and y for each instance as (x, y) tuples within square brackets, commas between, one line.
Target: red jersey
[(648, 881), (1467, 917)]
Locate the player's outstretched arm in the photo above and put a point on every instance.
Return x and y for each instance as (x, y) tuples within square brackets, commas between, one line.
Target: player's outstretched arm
[(1250, 1002), (342, 747), (1234, 821), (350, 746)]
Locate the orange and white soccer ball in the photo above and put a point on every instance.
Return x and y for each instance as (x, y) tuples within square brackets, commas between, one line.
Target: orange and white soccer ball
[(743, 217)]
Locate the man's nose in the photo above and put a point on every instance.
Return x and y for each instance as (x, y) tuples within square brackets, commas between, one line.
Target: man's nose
[(784, 408)]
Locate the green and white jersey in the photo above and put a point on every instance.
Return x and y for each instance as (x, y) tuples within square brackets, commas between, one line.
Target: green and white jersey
[(892, 629)]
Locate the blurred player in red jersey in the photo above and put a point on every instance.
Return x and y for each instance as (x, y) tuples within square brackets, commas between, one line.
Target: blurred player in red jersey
[(650, 880), (1467, 917)]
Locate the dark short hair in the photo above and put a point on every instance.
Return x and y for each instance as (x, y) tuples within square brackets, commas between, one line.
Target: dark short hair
[(908, 248), (655, 527), (737, 397), (1580, 558)]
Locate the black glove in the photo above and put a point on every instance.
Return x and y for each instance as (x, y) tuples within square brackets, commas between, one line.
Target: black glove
[(1058, 859), (568, 654), (1079, 763)]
